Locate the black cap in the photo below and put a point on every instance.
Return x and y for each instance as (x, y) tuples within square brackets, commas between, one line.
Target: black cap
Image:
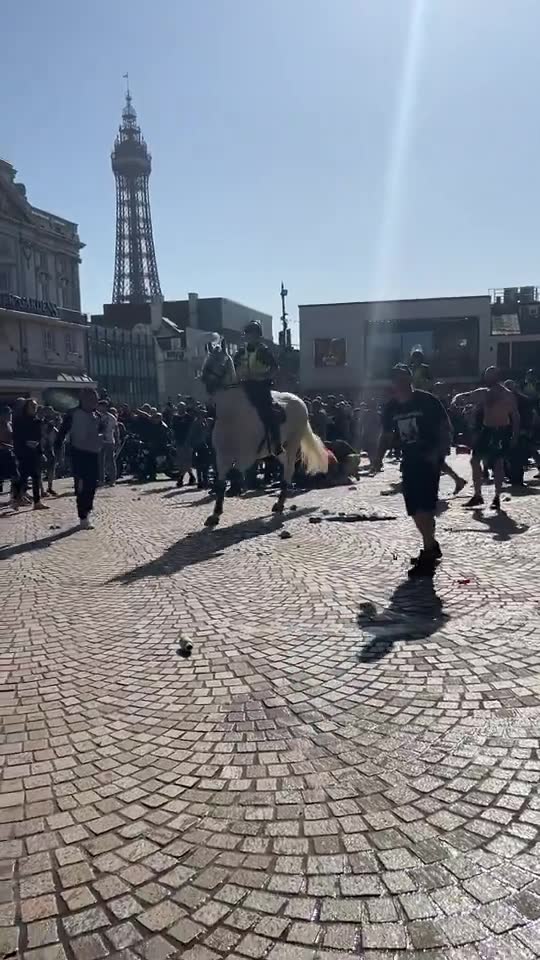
[(253, 327)]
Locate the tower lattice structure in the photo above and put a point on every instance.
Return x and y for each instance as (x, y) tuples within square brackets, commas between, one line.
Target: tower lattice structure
[(136, 277)]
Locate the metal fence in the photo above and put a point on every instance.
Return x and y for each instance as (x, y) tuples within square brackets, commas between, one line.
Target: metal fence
[(124, 364)]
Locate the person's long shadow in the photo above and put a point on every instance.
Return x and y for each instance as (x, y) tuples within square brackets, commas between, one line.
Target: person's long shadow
[(42, 544), (501, 525), (414, 612), (205, 545)]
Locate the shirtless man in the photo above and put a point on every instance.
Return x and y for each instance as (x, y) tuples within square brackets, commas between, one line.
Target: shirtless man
[(497, 429)]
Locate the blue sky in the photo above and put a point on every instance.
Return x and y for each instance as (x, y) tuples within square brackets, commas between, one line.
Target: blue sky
[(353, 148)]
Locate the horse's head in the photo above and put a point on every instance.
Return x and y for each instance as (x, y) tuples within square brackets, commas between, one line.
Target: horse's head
[(218, 368)]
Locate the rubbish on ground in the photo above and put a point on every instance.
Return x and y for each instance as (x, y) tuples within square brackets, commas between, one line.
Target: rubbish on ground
[(359, 517)]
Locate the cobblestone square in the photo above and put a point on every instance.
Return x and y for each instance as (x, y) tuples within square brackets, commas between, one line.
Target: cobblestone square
[(346, 765)]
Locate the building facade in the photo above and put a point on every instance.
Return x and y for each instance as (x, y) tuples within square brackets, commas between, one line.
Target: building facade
[(41, 355), (350, 347), (180, 330), (42, 331), (39, 251), (515, 329)]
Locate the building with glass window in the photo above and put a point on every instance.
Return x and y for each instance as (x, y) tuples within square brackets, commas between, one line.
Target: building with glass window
[(350, 347)]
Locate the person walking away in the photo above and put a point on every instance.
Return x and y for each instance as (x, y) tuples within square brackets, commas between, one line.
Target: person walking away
[(200, 436), (27, 442), (518, 455), (255, 367), (110, 437), (496, 432), (84, 428), (530, 387), (181, 427), (318, 418), (446, 469), (370, 431), (49, 433), (8, 463), (421, 423)]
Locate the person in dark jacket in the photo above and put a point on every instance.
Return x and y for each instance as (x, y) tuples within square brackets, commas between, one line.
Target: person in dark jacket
[(27, 434)]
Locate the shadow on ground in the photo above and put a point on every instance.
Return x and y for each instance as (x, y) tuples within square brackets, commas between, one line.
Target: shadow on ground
[(205, 544), (414, 612), (31, 545), (501, 525)]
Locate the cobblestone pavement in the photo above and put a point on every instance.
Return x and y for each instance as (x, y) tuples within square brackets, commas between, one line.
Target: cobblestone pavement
[(348, 764)]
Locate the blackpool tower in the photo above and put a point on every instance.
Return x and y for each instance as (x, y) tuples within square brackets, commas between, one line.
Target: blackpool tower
[(136, 277)]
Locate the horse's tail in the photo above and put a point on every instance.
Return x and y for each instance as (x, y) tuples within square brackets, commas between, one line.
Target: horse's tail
[(313, 451)]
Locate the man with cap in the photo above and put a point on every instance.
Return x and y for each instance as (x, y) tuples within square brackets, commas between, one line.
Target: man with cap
[(255, 366), (420, 423)]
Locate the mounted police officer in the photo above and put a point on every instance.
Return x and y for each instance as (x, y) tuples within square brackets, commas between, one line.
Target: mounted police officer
[(255, 366)]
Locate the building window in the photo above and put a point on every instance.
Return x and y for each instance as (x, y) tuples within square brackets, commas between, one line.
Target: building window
[(6, 248), (5, 280), (64, 299), (69, 344), (48, 340), (330, 353), (44, 286)]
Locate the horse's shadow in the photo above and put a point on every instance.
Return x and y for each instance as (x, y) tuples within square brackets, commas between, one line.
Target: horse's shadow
[(414, 612), (203, 545)]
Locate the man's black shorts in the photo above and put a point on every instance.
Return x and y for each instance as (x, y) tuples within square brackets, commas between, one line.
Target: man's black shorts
[(420, 485), (492, 444)]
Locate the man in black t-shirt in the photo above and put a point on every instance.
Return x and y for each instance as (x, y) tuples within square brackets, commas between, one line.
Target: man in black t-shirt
[(420, 423)]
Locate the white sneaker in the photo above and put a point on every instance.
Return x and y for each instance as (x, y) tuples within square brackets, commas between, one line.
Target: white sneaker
[(86, 524)]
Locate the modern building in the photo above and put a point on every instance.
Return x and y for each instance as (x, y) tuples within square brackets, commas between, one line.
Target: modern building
[(349, 347), (180, 330), (515, 329), (42, 331)]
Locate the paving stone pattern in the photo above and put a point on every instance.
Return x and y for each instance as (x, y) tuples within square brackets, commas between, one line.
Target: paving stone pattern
[(348, 764)]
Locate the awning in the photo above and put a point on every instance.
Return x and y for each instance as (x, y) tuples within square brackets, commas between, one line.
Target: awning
[(67, 380)]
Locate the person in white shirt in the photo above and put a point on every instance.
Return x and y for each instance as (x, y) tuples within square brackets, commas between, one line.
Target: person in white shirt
[(109, 429)]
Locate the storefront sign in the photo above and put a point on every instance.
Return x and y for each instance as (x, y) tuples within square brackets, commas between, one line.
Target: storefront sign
[(44, 308)]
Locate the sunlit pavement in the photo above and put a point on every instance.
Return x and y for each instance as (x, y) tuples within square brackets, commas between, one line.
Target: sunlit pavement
[(348, 762)]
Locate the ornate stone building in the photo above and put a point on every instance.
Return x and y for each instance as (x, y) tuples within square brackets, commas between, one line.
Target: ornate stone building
[(43, 344), (39, 251)]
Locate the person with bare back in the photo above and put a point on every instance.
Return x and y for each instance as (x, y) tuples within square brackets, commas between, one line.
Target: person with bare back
[(496, 431)]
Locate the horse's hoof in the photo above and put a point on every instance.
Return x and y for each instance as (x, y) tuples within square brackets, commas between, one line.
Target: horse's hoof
[(211, 521), (278, 508), (185, 650)]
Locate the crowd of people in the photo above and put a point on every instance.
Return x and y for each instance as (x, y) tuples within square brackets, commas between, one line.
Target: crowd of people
[(418, 423), (37, 444)]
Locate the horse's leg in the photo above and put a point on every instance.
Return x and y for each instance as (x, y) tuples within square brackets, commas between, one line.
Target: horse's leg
[(287, 461), (222, 470)]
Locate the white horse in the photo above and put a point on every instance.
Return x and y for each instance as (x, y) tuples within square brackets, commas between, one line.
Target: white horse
[(239, 437)]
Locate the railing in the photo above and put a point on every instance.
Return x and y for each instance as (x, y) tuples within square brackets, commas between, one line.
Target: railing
[(513, 296)]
